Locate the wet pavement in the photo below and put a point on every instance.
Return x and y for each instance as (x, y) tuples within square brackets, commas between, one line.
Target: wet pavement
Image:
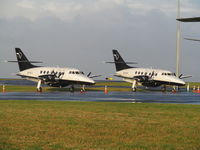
[(138, 97)]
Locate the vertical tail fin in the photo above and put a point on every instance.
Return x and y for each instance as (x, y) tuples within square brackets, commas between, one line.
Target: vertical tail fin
[(23, 62), (120, 64)]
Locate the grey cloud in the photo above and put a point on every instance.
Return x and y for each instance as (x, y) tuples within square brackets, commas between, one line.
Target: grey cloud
[(87, 40)]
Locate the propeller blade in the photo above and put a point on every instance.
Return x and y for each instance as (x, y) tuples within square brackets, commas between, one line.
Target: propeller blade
[(95, 76), (180, 76), (184, 77), (89, 74)]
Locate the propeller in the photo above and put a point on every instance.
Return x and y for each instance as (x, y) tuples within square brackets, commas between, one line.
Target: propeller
[(89, 74), (152, 74), (184, 77), (94, 76), (181, 76)]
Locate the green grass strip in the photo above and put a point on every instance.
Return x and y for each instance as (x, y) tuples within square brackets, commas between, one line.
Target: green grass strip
[(41, 125)]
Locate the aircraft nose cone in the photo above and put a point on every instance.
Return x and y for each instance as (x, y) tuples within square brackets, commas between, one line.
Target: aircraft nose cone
[(92, 82), (182, 82), (87, 80)]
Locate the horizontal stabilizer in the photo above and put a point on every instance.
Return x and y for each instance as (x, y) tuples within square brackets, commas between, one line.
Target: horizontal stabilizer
[(14, 61), (192, 39), (120, 62), (194, 19)]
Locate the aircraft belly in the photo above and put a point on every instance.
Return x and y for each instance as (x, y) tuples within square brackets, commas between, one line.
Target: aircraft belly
[(63, 83)]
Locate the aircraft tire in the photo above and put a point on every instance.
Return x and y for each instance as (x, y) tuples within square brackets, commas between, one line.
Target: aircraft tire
[(134, 89), (72, 89)]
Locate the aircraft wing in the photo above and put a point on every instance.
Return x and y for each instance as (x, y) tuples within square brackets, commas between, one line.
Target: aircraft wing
[(49, 78), (141, 78), (192, 39), (194, 19)]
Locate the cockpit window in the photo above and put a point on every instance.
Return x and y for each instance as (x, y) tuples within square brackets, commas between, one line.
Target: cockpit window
[(169, 74), (75, 72)]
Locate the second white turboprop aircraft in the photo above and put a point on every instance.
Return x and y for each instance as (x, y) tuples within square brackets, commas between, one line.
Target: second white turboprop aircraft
[(52, 76), (146, 76)]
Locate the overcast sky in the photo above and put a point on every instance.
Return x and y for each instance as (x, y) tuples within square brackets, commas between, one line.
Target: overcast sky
[(82, 33)]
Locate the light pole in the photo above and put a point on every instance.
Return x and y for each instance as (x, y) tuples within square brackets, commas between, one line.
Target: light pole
[(178, 43)]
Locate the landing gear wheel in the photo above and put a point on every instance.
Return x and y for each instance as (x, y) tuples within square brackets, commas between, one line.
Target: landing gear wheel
[(164, 89), (134, 89), (134, 84), (39, 89), (83, 89), (72, 89)]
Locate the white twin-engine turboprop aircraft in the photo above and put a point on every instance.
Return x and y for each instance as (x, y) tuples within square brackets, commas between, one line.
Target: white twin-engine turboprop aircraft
[(52, 76), (146, 76)]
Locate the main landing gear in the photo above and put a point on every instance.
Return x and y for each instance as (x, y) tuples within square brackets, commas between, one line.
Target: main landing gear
[(39, 87), (134, 88), (82, 89), (72, 89), (175, 89), (164, 88)]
